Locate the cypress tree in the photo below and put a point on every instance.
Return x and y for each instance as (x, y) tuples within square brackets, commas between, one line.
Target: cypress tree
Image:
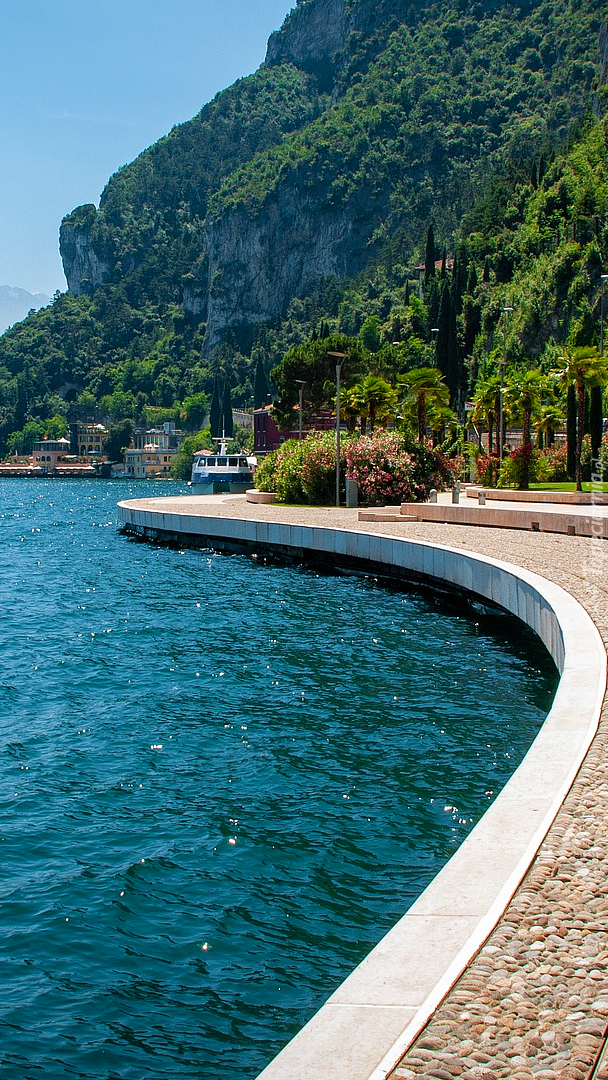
[(486, 270), (472, 324), (587, 414), (215, 411), (443, 335), (433, 303), (227, 417), (571, 432), (460, 277), (430, 256), (260, 385), (455, 376), (595, 421)]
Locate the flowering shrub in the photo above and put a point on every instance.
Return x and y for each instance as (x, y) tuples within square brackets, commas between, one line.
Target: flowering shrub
[(458, 466), (552, 466), (488, 469), (515, 464), (386, 467), (603, 460), (301, 471), (389, 469)]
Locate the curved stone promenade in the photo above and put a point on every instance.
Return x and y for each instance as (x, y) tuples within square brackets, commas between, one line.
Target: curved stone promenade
[(533, 1003)]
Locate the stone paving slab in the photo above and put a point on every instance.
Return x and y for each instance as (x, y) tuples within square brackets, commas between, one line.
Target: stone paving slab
[(533, 1005)]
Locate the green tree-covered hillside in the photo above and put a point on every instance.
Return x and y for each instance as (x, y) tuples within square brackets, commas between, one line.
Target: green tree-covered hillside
[(304, 194)]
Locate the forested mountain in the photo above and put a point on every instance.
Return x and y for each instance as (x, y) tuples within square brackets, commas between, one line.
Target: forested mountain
[(306, 191)]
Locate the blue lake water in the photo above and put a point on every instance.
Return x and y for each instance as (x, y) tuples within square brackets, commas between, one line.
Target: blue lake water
[(221, 782)]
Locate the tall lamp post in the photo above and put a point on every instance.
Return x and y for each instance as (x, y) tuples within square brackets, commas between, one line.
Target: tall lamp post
[(434, 333), (339, 358), (301, 383), (603, 280), (501, 432)]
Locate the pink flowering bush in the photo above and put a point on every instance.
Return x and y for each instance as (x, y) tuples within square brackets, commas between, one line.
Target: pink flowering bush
[(389, 470), (488, 469)]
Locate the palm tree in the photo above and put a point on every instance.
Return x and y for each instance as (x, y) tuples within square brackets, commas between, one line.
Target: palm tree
[(523, 394), (582, 368), (549, 418), (426, 389), (373, 400), (486, 401)]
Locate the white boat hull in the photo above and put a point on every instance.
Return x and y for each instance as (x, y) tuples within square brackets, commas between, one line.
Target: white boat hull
[(218, 487)]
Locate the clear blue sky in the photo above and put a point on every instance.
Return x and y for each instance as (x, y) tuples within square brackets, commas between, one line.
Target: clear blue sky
[(85, 85)]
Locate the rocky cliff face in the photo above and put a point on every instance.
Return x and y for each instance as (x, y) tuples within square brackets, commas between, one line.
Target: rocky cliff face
[(258, 263), (314, 32), (83, 268)]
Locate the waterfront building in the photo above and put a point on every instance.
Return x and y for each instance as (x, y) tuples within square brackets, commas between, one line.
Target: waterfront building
[(87, 438), (149, 462), (152, 451), (166, 438), (47, 452), (268, 436)]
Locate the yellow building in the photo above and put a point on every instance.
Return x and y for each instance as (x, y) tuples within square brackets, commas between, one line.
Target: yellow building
[(86, 439), (149, 461)]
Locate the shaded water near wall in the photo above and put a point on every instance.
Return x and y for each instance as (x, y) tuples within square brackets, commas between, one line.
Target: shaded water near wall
[(220, 782)]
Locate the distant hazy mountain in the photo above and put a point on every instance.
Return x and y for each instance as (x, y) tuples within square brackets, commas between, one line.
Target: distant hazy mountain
[(15, 304)]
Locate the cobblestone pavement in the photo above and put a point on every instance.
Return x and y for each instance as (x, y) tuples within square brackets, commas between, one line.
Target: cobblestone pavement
[(533, 1004)]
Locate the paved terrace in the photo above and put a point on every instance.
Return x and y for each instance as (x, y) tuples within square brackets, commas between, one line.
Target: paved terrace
[(533, 1003)]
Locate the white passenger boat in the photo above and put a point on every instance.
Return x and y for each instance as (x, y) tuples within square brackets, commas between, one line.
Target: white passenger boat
[(216, 471)]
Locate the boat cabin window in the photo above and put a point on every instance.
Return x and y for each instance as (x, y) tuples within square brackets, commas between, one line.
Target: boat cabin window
[(210, 461), (233, 461)]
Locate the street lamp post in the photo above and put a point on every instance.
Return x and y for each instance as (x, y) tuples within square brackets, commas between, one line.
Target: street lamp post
[(339, 358), (603, 279), (501, 435), (434, 335)]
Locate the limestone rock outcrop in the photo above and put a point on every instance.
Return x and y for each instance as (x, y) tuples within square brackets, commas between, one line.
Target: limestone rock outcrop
[(83, 267), (315, 31)]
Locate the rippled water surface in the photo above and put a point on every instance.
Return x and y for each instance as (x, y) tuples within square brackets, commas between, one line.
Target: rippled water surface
[(221, 782)]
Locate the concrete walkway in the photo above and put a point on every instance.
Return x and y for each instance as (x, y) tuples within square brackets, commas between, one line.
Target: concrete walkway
[(526, 512), (533, 1004)]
